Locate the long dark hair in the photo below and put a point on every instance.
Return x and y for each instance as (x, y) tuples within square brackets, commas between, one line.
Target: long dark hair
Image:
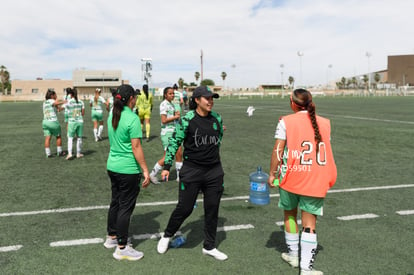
[(49, 94), (73, 92), (145, 89), (192, 104), (303, 99)]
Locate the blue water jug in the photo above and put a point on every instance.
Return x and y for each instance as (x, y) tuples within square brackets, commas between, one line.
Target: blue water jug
[(259, 190), (177, 241)]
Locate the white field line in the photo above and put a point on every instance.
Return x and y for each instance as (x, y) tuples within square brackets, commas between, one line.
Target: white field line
[(77, 242), (358, 217), (405, 212), (223, 228), (136, 237), (10, 248), (281, 223), (377, 119), (98, 207)]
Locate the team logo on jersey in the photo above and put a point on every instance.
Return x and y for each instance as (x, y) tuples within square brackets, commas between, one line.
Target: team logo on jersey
[(215, 126)]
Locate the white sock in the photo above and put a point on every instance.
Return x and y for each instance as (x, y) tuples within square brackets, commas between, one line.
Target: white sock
[(100, 130), (79, 146), (308, 245), (292, 242), (95, 132), (47, 150), (156, 169), (70, 145), (59, 150)]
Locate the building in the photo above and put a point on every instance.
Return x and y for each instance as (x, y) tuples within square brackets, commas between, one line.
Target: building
[(401, 70), (85, 81)]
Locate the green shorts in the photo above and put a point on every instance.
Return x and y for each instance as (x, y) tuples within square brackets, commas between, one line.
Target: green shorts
[(75, 129), (51, 128), (290, 201), (97, 116), (165, 138)]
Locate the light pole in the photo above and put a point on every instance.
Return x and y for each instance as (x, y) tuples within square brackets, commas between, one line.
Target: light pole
[(328, 76), (300, 54), (368, 55), (146, 68), (281, 75)]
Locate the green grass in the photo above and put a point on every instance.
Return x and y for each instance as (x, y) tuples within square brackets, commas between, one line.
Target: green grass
[(372, 143)]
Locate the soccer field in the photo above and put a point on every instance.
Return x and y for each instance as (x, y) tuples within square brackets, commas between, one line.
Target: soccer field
[(53, 211)]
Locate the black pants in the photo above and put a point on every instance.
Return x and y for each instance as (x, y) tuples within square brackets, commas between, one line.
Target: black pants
[(125, 190), (193, 179)]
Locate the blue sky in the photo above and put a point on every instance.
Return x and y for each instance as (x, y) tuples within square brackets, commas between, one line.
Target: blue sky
[(51, 38)]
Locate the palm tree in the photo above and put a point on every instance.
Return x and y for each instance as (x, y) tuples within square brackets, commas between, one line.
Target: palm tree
[(180, 82), (377, 78), (223, 76), (291, 80), (197, 76), (354, 82), (365, 79), (5, 78)]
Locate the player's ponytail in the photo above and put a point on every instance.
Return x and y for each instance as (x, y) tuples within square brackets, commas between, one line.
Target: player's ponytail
[(303, 100)]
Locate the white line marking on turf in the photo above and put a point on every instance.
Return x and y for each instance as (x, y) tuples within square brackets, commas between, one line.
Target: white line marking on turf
[(281, 223), (77, 242), (223, 228), (98, 207), (377, 119), (358, 217), (10, 248), (405, 212)]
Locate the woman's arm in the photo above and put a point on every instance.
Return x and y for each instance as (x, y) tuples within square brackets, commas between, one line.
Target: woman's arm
[(276, 160), (139, 156)]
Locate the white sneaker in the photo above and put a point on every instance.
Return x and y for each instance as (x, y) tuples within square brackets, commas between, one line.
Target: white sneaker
[(163, 244), (79, 155), (311, 272), (112, 243), (69, 156), (154, 179), (128, 253), (215, 253), (292, 260)]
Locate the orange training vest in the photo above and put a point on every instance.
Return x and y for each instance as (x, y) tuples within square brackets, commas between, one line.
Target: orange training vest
[(304, 171)]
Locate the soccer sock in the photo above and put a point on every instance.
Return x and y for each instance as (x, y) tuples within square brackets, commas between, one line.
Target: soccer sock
[(79, 146), (59, 150), (156, 169), (95, 132), (147, 128), (70, 145), (308, 245), (47, 150), (292, 242), (100, 130)]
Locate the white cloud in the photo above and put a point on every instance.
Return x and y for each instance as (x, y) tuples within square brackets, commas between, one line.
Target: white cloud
[(50, 38)]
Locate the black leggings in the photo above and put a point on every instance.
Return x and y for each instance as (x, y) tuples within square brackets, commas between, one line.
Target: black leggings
[(192, 180), (125, 190)]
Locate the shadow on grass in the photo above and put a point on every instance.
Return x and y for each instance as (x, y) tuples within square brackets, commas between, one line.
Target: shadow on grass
[(277, 240), (194, 232), (143, 224)]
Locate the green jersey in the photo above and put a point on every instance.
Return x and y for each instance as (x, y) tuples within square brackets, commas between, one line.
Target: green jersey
[(167, 109), (74, 110), (121, 159), (49, 110)]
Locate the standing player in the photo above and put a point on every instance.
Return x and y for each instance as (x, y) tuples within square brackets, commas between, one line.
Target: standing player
[(178, 99), (75, 110), (50, 123), (97, 113), (169, 117), (110, 100), (126, 167), (144, 107), (302, 159), (200, 131)]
